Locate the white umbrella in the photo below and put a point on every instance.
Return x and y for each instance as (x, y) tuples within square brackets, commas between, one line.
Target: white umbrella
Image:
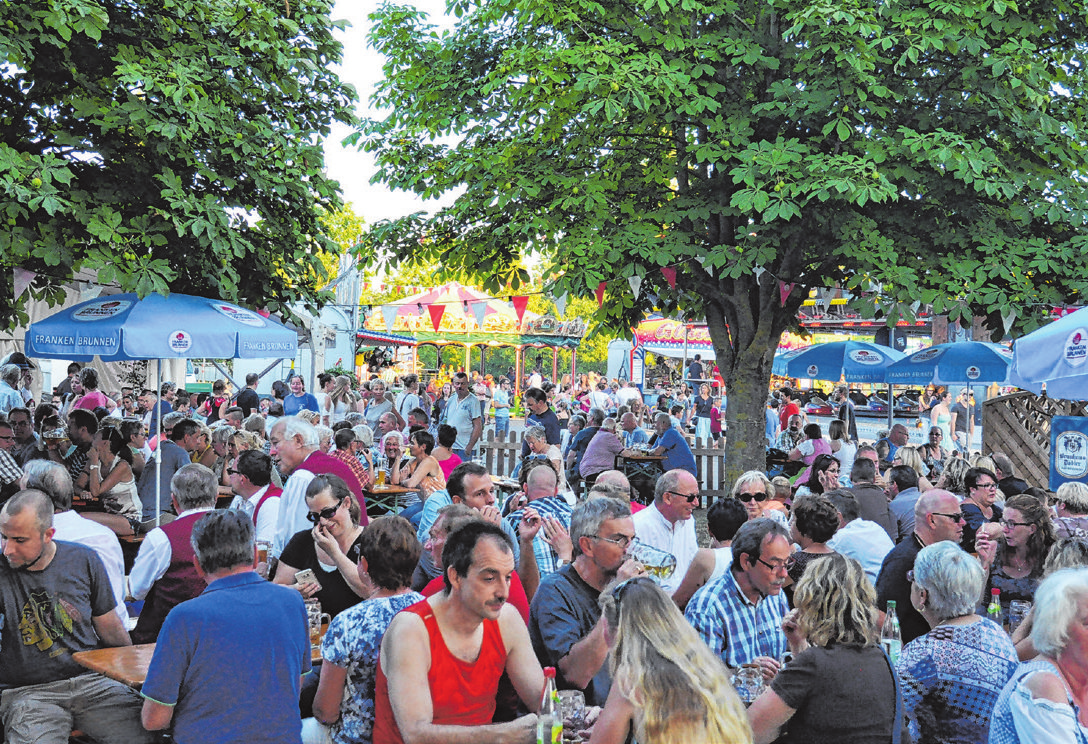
[(1057, 355)]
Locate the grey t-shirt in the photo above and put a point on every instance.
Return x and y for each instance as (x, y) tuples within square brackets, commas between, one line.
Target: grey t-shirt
[(563, 612), (47, 616), (173, 459)]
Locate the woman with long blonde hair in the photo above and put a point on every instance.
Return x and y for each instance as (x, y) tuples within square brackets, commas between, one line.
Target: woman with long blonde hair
[(666, 684), (839, 687), (343, 398)]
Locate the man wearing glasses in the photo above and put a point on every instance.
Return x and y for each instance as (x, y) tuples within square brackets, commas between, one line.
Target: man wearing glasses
[(937, 517), (565, 623), (739, 615), (667, 525), (10, 472)]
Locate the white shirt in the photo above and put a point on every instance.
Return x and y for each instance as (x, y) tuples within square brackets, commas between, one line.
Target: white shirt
[(291, 516), (627, 394), (864, 541), (71, 527), (268, 516), (153, 559), (678, 538)]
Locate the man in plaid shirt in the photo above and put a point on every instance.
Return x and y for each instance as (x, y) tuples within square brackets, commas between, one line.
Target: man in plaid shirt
[(739, 615), (551, 546)]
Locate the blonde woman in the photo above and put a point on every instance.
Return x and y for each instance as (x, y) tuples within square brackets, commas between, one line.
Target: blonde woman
[(912, 458), (343, 398), (667, 686), (839, 688)]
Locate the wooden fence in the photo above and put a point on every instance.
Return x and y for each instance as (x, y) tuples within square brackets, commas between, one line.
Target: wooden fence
[(501, 455), (1019, 426)]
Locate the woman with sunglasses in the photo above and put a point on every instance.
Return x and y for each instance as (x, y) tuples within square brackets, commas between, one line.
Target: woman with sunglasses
[(331, 549), (1015, 559), (666, 684), (823, 476), (839, 688), (755, 491)]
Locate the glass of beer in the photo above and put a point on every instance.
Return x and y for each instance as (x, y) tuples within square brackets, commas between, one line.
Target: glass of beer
[(317, 619), (658, 563)]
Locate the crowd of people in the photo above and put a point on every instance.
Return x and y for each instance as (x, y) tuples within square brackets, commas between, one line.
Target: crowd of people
[(445, 610)]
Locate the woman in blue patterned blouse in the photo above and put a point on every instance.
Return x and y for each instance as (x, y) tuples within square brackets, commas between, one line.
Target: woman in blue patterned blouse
[(951, 676)]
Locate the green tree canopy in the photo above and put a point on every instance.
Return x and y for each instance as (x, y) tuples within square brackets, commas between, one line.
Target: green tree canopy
[(169, 145), (923, 151)]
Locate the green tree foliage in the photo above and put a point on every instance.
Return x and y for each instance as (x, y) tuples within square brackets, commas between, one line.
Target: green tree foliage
[(169, 145), (932, 150)]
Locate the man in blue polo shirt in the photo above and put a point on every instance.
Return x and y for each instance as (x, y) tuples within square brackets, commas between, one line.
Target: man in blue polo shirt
[(201, 678), (671, 443)]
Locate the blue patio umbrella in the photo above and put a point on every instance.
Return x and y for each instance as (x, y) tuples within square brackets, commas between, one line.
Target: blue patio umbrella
[(1056, 354), (854, 361), (965, 362), (124, 327)]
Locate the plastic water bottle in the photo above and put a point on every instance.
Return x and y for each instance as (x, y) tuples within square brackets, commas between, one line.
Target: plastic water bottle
[(994, 611), (549, 719), (890, 637)]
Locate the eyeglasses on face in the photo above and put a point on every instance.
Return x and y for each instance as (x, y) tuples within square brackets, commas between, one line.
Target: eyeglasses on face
[(785, 565), (622, 541), (1010, 524), (746, 497), (955, 516), (991, 484), (328, 513), (691, 497)]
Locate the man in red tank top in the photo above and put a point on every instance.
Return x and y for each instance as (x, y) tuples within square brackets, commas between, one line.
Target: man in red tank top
[(441, 658)]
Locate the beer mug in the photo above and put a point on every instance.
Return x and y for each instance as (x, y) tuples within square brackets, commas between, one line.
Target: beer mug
[(316, 619), (658, 563)]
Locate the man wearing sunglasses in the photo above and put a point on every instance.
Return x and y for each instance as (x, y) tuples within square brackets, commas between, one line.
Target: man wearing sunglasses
[(667, 525), (739, 615), (164, 572), (937, 517)]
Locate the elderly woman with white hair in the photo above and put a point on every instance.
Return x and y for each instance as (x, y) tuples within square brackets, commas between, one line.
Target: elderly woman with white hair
[(755, 491), (1072, 508), (952, 676), (1045, 699)]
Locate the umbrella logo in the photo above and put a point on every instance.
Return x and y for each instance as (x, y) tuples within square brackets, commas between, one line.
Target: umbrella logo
[(180, 341), (866, 357), (1071, 454), (1076, 348), (101, 310), (973, 372), (240, 315), (925, 356), (813, 370)]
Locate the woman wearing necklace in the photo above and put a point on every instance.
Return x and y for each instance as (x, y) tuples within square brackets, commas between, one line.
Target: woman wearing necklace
[(1045, 699), (1015, 560), (952, 676)]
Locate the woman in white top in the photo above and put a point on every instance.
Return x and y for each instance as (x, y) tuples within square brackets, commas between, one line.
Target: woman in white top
[(325, 385), (343, 398), (112, 482), (844, 450), (723, 519)]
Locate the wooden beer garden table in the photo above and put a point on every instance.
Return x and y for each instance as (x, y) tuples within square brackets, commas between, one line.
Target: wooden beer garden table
[(129, 664), (387, 496)]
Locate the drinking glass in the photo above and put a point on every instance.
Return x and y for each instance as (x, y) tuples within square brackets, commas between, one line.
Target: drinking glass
[(1018, 610), (658, 563), (748, 682), (316, 619)]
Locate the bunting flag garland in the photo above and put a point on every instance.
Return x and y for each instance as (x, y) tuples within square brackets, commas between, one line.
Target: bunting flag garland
[(600, 295), (636, 283), (1007, 319), (436, 312), (23, 278), (479, 309), (389, 313), (759, 271), (561, 304), (670, 276), (520, 302), (784, 290)]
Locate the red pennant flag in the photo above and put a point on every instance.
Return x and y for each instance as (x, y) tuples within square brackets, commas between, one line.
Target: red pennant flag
[(600, 294), (670, 276), (436, 314), (520, 301), (784, 290)]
